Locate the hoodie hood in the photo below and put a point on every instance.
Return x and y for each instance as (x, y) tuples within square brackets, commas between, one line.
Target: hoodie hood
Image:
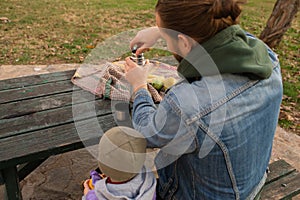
[(229, 51), (141, 187)]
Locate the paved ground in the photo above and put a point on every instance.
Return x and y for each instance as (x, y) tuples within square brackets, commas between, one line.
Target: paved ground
[(60, 177)]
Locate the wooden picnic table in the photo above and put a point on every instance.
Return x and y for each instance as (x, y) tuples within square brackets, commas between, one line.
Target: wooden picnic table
[(45, 115)]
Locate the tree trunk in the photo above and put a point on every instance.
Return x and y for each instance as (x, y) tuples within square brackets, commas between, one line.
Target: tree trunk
[(280, 20)]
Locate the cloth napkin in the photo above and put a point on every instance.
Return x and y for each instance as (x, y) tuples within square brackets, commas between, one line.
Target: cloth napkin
[(107, 80)]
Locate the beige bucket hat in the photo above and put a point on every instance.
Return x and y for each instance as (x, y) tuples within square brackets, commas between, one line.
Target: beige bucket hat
[(122, 153)]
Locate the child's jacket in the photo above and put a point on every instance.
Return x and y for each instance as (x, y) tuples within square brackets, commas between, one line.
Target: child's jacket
[(141, 187)]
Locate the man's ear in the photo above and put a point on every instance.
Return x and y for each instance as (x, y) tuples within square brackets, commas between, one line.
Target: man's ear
[(185, 44)]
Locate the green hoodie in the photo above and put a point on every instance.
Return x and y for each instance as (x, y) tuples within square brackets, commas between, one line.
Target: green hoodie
[(229, 51)]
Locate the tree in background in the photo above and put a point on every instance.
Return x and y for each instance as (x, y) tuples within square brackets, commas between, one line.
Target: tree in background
[(280, 20)]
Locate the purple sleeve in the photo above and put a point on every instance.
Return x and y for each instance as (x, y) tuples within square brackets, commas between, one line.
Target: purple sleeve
[(95, 177), (91, 195)]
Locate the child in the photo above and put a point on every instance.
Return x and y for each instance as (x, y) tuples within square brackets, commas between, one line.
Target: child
[(122, 153)]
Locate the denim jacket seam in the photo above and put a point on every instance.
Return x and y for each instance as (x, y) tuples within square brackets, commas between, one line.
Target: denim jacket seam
[(258, 188), (173, 105), (177, 110), (221, 102), (225, 154)]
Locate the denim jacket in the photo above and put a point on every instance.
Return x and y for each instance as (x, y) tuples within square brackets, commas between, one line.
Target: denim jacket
[(215, 135)]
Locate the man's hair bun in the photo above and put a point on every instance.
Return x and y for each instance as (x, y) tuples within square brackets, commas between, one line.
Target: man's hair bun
[(222, 9)]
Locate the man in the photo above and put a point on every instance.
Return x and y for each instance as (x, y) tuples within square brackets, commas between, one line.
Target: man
[(215, 129)]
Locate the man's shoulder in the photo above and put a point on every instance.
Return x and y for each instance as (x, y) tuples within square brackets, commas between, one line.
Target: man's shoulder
[(208, 93)]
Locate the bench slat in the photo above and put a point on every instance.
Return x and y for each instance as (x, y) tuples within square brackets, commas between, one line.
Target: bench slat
[(48, 118), (44, 143), (35, 80), (279, 169), (285, 188)]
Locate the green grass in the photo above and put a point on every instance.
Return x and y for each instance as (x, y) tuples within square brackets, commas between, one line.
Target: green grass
[(66, 31), (292, 90), (254, 19), (53, 31)]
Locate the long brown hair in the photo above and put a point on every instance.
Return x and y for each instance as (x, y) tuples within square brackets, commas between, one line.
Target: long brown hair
[(199, 19)]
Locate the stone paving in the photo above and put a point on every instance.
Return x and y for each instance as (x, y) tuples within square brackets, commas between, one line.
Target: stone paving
[(15, 71), (60, 177)]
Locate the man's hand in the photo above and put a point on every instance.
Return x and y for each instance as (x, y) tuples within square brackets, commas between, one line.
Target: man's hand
[(136, 75), (145, 39)]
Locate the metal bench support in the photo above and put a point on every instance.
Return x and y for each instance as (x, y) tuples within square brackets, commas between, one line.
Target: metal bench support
[(11, 180)]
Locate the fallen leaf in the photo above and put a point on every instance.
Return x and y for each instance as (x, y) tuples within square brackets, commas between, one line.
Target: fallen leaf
[(4, 20), (81, 58), (76, 75), (90, 46), (287, 116), (286, 108)]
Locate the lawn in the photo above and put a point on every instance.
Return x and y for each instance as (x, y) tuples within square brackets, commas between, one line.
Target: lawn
[(66, 31)]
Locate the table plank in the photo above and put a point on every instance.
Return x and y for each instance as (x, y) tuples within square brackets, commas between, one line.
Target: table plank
[(54, 140), (31, 92), (30, 106), (35, 80), (54, 117), (45, 115)]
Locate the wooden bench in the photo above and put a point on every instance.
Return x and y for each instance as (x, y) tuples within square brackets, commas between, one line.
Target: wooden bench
[(283, 182), (41, 116)]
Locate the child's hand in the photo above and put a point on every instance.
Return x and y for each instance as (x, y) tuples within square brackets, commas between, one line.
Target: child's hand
[(86, 187)]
